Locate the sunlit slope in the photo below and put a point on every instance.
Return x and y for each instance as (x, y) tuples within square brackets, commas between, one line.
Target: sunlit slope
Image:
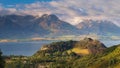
[(80, 51), (111, 58)]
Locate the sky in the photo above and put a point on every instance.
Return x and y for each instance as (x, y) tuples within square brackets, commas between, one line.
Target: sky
[(72, 11), (13, 2)]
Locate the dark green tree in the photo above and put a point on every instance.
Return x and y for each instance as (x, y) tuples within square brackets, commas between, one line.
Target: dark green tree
[(2, 62)]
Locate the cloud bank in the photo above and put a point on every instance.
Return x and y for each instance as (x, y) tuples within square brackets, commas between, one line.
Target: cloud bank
[(72, 11)]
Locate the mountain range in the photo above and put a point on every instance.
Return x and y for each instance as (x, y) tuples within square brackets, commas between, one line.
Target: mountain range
[(17, 26)]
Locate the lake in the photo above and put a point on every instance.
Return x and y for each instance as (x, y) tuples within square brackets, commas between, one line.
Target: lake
[(29, 48), (21, 48)]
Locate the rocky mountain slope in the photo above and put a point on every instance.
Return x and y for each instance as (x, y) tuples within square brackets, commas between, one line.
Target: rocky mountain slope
[(100, 27), (30, 26)]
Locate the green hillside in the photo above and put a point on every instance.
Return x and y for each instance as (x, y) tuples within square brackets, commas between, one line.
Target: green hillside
[(87, 53), (111, 58), (68, 53)]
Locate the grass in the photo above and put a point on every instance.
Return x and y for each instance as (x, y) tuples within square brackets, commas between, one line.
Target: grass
[(80, 51)]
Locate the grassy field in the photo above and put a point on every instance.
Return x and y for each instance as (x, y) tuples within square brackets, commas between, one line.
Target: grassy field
[(79, 51)]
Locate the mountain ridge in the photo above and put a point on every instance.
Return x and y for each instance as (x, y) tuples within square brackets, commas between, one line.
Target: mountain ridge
[(30, 25), (17, 26)]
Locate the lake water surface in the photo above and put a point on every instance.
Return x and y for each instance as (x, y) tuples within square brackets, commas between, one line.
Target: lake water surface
[(21, 48), (29, 48)]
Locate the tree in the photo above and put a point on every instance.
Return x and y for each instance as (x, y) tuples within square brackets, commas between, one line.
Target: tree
[(2, 62)]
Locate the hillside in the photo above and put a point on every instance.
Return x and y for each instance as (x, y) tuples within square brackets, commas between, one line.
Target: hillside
[(87, 45), (75, 55), (87, 53), (111, 58)]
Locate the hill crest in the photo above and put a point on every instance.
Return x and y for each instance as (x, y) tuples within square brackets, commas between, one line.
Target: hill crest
[(83, 47)]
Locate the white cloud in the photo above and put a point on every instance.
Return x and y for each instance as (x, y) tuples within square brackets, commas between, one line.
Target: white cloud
[(12, 10), (70, 10), (1, 8)]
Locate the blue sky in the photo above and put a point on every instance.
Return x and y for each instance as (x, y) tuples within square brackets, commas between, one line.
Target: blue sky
[(13, 2)]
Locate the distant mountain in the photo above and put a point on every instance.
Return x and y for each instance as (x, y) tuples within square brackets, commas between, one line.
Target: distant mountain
[(15, 26), (100, 27), (56, 26)]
